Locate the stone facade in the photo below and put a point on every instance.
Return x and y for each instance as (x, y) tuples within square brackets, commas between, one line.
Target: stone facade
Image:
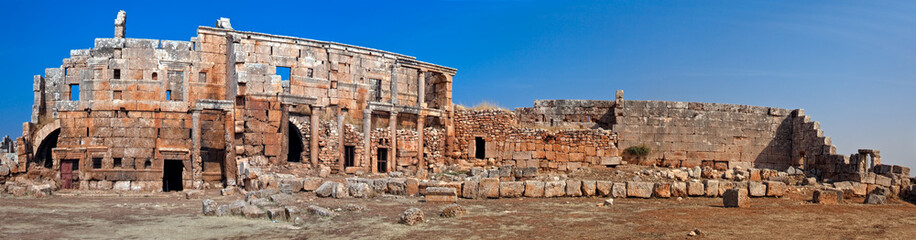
[(235, 108)]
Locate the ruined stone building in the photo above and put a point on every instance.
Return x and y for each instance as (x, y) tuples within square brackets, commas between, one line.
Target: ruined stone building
[(228, 107)]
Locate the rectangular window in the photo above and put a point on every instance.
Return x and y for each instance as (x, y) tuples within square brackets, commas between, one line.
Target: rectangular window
[(74, 92), (168, 94), (116, 95), (310, 72), (481, 146), (117, 162), (202, 77), (116, 74), (349, 156), (284, 73), (96, 163)]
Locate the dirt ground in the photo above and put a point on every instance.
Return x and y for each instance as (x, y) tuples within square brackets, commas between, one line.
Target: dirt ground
[(170, 216)]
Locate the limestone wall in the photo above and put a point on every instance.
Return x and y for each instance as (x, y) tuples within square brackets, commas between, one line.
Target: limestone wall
[(718, 135)]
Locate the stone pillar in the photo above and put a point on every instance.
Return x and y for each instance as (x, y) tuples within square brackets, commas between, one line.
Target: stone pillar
[(394, 83), (121, 24), (618, 100), (196, 163), (340, 140), (230, 169), (393, 130), (313, 136), (421, 162), (421, 89), (367, 139)]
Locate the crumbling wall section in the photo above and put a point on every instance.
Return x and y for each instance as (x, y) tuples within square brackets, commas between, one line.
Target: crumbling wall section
[(579, 114)]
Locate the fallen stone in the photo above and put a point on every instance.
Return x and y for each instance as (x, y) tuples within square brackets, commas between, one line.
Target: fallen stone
[(511, 189), (283, 199), (277, 214), (608, 202), (324, 171), (662, 190), (411, 217), (619, 190), (222, 210), (311, 184), (397, 186), (603, 188), (875, 199), (534, 189), (775, 189), (756, 189), (413, 186), (712, 188), (209, 207), (589, 187), (827, 196), (293, 185), (469, 190), (331, 189), (489, 187), (679, 189), (361, 190), (254, 212), (236, 207), (230, 190), (554, 188), (573, 188), (453, 210), (320, 211), (354, 207), (736, 198), (639, 189), (291, 211), (441, 195), (695, 189)]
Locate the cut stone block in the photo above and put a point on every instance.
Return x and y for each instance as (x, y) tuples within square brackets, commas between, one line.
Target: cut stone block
[(712, 188), (469, 190), (489, 187), (573, 188), (662, 190), (589, 188), (775, 189), (695, 189), (603, 188), (554, 189), (828, 196), (756, 189), (619, 190), (679, 189), (534, 189), (736, 198), (441, 195), (511, 189), (639, 189)]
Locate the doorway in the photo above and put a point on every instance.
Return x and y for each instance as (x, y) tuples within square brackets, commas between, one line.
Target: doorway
[(171, 175), (66, 173), (481, 145), (295, 144), (382, 160)]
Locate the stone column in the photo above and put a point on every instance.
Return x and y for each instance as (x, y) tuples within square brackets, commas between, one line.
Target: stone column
[(393, 130), (394, 83), (421, 162), (196, 161), (230, 169), (421, 89), (340, 140), (367, 138), (313, 136)]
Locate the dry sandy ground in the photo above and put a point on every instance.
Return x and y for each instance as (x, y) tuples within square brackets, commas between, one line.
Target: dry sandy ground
[(169, 216)]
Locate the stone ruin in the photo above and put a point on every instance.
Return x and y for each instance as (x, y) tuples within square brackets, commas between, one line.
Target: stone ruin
[(244, 110)]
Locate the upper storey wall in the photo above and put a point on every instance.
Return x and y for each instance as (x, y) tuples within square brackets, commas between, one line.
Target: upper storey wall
[(568, 113), (333, 74)]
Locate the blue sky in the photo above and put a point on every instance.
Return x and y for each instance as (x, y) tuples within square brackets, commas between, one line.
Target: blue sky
[(849, 64)]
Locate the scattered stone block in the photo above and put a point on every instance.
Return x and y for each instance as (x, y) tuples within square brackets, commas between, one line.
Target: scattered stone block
[(361, 190), (453, 210), (695, 189), (534, 189), (253, 212), (679, 189), (331, 189), (554, 188), (736, 198), (776, 189), (441, 195), (827, 196), (291, 211), (320, 211), (712, 188), (311, 184), (662, 190), (411, 217), (209, 207), (413, 186), (469, 190), (222, 210), (511, 189), (277, 214), (875, 199), (639, 189), (573, 188), (757, 189), (283, 199), (489, 187), (397, 186), (189, 194), (603, 188), (619, 190), (589, 187), (236, 207)]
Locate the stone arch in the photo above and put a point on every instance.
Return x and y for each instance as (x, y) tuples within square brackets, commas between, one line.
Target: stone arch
[(296, 145)]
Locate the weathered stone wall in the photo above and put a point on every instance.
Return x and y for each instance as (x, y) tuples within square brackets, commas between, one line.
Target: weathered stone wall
[(509, 144), (568, 114), (719, 135)]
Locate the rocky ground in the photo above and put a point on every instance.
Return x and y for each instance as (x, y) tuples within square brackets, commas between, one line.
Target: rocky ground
[(172, 216)]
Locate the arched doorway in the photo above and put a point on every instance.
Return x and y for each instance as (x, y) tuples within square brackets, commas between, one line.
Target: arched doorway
[(43, 155), (295, 144)]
